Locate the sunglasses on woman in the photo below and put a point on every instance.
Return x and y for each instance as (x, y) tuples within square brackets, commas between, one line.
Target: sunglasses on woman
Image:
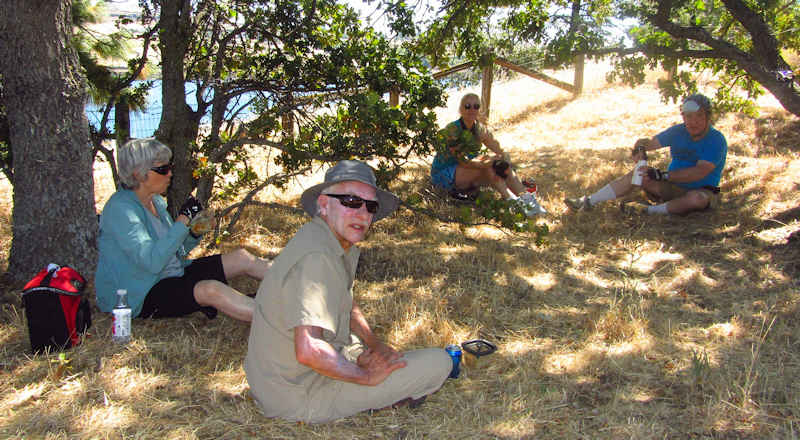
[(471, 106), (163, 169), (355, 202)]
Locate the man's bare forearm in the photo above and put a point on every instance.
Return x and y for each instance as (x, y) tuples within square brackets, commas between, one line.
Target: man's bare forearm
[(321, 357), (690, 174)]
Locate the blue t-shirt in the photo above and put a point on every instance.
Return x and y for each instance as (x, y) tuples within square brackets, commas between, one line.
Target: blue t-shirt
[(686, 152)]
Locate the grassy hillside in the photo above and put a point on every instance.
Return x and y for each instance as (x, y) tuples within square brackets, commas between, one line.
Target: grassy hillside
[(620, 327)]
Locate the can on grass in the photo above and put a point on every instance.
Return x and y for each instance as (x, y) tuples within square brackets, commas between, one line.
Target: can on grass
[(455, 354)]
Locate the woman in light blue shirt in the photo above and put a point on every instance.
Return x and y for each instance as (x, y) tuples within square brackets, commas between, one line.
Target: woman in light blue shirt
[(142, 250)]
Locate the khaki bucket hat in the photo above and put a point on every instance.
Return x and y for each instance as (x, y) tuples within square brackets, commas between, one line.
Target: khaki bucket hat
[(344, 171)]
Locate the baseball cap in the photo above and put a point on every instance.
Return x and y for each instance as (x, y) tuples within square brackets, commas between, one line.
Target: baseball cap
[(695, 102)]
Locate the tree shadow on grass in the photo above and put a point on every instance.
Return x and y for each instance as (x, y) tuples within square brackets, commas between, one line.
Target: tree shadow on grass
[(505, 306), (559, 372), (776, 133)]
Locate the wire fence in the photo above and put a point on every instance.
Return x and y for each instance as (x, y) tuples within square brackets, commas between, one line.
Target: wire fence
[(143, 124)]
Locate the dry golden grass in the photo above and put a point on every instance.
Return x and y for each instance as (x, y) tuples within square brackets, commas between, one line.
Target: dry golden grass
[(621, 327)]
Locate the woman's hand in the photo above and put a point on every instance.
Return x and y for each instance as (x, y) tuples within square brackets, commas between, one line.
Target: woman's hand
[(500, 168), (183, 219), (190, 208), (203, 222)]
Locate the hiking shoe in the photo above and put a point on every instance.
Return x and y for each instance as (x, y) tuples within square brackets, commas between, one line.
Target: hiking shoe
[(209, 311), (468, 195), (578, 204), (530, 205), (633, 208), (411, 403)]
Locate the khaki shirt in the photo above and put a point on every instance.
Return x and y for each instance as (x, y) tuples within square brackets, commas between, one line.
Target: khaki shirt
[(309, 283)]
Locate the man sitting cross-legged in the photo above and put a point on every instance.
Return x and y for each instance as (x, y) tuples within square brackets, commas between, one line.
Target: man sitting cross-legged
[(305, 359), (691, 182)]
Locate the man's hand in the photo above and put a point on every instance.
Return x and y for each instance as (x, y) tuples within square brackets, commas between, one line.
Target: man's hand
[(385, 351), (656, 174), (639, 151), (379, 365)]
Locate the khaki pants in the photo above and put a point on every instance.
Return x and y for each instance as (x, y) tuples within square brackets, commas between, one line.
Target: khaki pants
[(670, 191), (329, 399), (424, 373)]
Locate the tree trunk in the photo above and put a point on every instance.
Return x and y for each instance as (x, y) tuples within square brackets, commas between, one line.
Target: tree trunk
[(580, 63), (486, 90), (179, 123), (122, 120), (54, 217)]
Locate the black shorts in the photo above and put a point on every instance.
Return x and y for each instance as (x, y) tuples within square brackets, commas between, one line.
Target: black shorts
[(174, 296)]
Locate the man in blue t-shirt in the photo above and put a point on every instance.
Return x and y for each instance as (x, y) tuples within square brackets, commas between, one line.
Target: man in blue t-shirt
[(691, 182)]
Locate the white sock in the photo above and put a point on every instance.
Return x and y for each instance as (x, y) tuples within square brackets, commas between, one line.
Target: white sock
[(658, 209), (603, 194)]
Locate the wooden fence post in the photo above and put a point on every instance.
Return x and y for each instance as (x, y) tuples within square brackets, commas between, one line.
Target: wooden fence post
[(578, 83), (486, 89)]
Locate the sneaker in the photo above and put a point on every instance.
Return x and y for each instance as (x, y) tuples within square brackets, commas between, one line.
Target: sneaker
[(579, 204), (633, 208), (530, 205), (411, 403), (464, 195)]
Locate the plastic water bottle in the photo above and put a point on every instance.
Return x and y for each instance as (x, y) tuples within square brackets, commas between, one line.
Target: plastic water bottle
[(121, 327), (636, 179)]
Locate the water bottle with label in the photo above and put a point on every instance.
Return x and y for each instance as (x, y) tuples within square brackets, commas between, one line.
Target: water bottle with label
[(636, 179), (121, 327)]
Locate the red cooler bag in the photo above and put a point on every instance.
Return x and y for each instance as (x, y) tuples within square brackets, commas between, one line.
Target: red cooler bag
[(55, 308)]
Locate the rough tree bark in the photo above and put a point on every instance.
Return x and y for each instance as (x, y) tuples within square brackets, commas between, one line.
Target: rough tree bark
[(179, 123), (54, 218)]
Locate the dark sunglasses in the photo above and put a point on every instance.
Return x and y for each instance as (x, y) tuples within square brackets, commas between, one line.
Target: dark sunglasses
[(355, 202), (469, 106), (163, 169)]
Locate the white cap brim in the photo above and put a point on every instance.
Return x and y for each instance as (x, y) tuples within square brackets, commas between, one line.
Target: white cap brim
[(689, 106)]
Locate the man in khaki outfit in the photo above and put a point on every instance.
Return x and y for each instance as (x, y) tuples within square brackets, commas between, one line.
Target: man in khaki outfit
[(311, 355)]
